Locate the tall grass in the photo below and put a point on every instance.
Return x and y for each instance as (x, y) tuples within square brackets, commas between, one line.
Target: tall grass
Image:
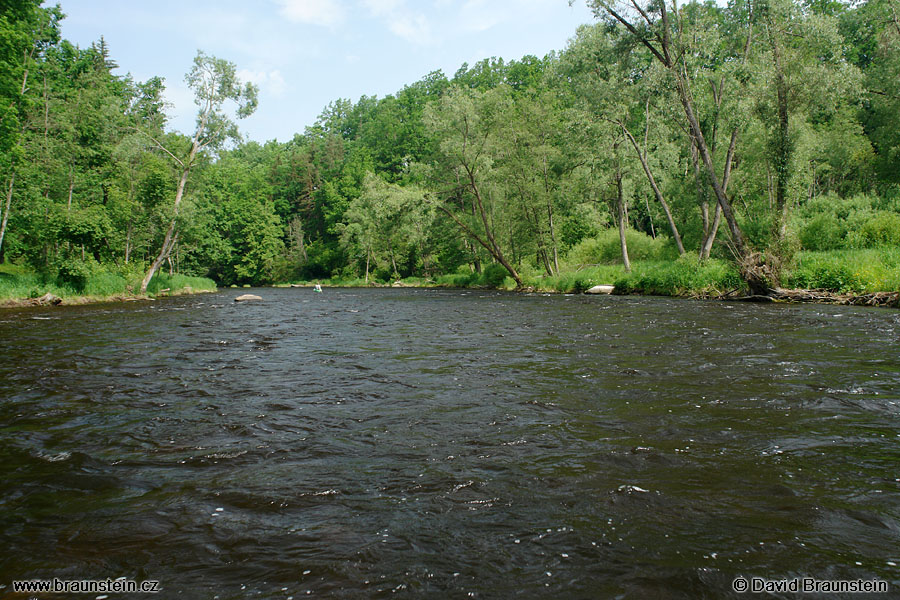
[(18, 282), (179, 283), (861, 271), (685, 276)]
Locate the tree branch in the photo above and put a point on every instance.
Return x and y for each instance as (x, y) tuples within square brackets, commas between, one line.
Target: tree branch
[(160, 146)]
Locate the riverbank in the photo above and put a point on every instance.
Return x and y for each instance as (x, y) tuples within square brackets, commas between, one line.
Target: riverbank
[(20, 287), (851, 277)]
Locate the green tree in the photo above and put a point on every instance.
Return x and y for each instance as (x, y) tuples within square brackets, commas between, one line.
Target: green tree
[(214, 82), (26, 32), (384, 223), (468, 123), (244, 237)]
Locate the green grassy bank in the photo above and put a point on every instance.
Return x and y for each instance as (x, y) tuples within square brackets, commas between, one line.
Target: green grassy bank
[(18, 284), (836, 271)]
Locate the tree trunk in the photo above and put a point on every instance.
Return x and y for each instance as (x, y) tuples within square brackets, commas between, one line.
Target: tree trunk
[(711, 236), (396, 272), (128, 233), (782, 137), (169, 240), (737, 236), (656, 192), (71, 189), (665, 56), (493, 248), (535, 224), (484, 243), (368, 254), (9, 195), (553, 236), (620, 212), (650, 218)]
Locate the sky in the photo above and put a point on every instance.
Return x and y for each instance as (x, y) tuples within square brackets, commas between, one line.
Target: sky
[(304, 54)]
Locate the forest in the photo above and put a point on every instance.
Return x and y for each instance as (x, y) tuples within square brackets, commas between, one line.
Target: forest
[(668, 148)]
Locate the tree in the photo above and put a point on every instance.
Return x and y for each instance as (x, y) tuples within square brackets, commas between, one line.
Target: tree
[(385, 222), (26, 31), (661, 31), (468, 123), (214, 82), (244, 228)]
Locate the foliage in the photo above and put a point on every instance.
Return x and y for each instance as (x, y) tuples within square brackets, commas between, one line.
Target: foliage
[(508, 173), (848, 271), (685, 275), (604, 248)]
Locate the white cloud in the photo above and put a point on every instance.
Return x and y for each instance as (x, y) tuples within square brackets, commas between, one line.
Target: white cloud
[(380, 8), (412, 28), (271, 82), (479, 15), (326, 13)]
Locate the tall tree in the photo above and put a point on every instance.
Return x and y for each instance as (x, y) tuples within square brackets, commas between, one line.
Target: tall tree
[(214, 82), (469, 123), (26, 31)]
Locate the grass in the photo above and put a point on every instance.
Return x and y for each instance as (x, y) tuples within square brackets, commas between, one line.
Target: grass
[(682, 277), (848, 271), (180, 284), (20, 283), (859, 271)]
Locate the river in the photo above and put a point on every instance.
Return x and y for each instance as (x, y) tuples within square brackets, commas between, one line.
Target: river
[(442, 443)]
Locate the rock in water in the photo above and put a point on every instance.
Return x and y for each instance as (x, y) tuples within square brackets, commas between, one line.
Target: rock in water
[(247, 298), (601, 289)]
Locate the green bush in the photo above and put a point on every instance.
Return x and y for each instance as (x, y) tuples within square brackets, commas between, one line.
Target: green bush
[(867, 270), (493, 275), (74, 273), (458, 279), (833, 223), (605, 248), (683, 276), (881, 230), (823, 232)]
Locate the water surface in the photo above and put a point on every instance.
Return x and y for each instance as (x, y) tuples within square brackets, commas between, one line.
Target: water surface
[(409, 443)]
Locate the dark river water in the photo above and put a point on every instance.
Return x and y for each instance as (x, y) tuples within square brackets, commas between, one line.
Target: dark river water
[(449, 444)]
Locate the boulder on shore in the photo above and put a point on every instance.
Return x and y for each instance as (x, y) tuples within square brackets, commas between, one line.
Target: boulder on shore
[(248, 298), (601, 289)]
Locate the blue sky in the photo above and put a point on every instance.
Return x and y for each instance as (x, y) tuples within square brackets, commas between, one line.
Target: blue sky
[(305, 53)]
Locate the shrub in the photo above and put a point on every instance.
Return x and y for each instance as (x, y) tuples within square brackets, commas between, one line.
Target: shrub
[(823, 232), (605, 248), (175, 283), (493, 275), (831, 277), (848, 270), (74, 273), (883, 229)]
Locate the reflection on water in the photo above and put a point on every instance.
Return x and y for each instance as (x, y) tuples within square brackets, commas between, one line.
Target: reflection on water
[(374, 443)]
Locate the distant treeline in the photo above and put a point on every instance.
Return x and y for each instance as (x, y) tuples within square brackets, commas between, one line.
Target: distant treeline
[(748, 132)]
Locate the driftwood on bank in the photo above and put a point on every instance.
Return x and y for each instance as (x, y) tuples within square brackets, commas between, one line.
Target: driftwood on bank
[(886, 299)]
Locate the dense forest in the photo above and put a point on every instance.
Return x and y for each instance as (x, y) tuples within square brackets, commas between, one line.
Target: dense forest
[(762, 136)]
